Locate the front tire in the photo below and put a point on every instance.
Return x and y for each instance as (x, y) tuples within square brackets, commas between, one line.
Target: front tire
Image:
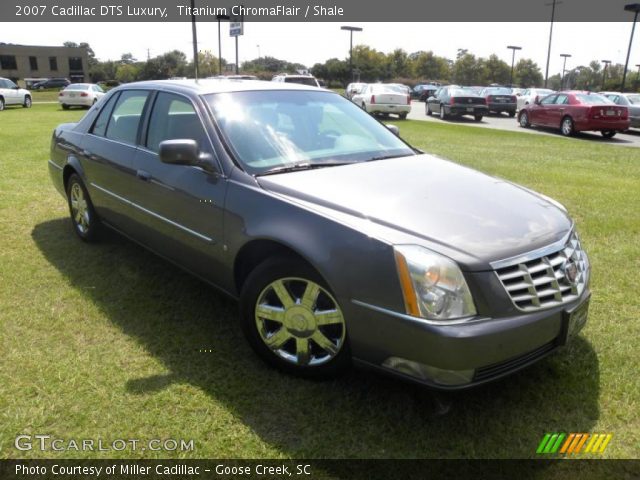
[(428, 110), (292, 320), (65, 107), (524, 120), (1, 104), (27, 102), (567, 127), (83, 216)]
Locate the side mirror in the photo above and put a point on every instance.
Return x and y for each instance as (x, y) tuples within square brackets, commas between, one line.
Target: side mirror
[(185, 152), (393, 129), (16, 87), (537, 101)]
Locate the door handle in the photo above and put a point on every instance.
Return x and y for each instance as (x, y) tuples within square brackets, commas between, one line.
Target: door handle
[(86, 153), (142, 175)]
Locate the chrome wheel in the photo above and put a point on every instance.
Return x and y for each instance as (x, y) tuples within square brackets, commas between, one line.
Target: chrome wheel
[(300, 321), (524, 120), (27, 102), (79, 208), (567, 126)]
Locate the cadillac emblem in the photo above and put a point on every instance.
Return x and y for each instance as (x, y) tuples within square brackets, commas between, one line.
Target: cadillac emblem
[(570, 270)]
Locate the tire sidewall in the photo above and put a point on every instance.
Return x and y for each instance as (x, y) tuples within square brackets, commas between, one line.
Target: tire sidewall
[(267, 272)]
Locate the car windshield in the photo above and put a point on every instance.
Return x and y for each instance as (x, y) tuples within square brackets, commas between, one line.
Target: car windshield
[(593, 99), (77, 86), (302, 80), (634, 99), (274, 130)]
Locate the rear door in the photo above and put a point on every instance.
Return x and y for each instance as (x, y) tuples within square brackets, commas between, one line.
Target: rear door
[(107, 156), (180, 207)]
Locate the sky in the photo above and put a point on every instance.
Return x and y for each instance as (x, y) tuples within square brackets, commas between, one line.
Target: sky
[(313, 42)]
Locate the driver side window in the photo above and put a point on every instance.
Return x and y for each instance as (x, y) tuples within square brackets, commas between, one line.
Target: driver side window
[(548, 100)]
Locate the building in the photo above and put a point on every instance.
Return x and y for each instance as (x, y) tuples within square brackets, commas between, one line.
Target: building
[(31, 63)]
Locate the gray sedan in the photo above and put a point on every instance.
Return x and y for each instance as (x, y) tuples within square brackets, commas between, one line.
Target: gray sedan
[(341, 242)]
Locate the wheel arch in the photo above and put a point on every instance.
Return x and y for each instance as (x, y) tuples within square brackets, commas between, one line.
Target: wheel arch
[(256, 251), (72, 166)]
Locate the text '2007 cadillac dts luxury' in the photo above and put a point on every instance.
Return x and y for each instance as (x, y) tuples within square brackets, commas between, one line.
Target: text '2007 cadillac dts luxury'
[(341, 242)]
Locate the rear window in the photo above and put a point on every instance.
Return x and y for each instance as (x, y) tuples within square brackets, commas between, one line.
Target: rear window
[(498, 91), (77, 87), (634, 99), (302, 80), (593, 99)]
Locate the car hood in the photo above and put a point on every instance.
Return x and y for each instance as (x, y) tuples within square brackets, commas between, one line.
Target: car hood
[(436, 201)]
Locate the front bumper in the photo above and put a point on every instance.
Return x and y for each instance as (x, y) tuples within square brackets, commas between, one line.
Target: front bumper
[(489, 348)]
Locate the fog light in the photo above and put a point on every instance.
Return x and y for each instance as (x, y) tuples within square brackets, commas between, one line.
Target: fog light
[(427, 372)]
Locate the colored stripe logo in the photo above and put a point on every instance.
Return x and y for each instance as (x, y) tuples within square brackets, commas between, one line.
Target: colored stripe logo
[(573, 443)]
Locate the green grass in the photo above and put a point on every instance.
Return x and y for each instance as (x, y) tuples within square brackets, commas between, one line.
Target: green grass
[(103, 341)]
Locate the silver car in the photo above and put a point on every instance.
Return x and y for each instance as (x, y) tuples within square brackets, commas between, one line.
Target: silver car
[(342, 243)]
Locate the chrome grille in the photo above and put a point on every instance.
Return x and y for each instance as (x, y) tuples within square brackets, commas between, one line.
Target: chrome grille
[(543, 282)]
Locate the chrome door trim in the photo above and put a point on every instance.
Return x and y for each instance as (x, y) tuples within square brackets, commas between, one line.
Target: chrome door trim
[(154, 214)]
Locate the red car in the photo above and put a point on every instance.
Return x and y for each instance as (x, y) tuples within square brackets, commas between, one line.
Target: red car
[(576, 111)]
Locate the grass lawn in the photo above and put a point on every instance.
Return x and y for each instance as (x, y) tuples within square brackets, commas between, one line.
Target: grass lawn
[(106, 341)]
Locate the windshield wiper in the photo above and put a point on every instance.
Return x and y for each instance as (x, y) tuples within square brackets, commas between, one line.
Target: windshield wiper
[(297, 167), (386, 157)]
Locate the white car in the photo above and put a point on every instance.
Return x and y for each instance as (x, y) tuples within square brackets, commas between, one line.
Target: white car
[(294, 78), (383, 98), (12, 94), (80, 95), (530, 95)]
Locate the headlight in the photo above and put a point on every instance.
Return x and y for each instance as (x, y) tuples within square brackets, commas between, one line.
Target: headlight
[(432, 284)]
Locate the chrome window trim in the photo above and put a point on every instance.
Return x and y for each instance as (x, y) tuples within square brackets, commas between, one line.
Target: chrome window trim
[(154, 214), (534, 254)]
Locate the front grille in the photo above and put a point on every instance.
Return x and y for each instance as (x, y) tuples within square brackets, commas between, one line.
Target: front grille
[(496, 369), (544, 282)]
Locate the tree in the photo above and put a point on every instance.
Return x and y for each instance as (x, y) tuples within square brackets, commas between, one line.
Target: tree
[(467, 70), (126, 72), (427, 66), (494, 70), (371, 63), (127, 59), (398, 64), (527, 74)]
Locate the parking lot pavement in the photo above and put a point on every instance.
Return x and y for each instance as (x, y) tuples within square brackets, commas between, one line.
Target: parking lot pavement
[(504, 122)]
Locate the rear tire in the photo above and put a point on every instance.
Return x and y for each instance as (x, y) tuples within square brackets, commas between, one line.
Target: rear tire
[(292, 320), (83, 216), (477, 118), (65, 107), (443, 115), (608, 133), (512, 114), (428, 110), (567, 127), (403, 116)]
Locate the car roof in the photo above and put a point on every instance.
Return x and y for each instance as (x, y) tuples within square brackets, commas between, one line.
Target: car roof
[(216, 85)]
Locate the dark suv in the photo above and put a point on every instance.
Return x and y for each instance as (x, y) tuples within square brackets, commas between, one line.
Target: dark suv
[(51, 83)]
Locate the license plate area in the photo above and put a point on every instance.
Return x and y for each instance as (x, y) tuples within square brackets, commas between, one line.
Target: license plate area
[(469, 109), (574, 320)]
